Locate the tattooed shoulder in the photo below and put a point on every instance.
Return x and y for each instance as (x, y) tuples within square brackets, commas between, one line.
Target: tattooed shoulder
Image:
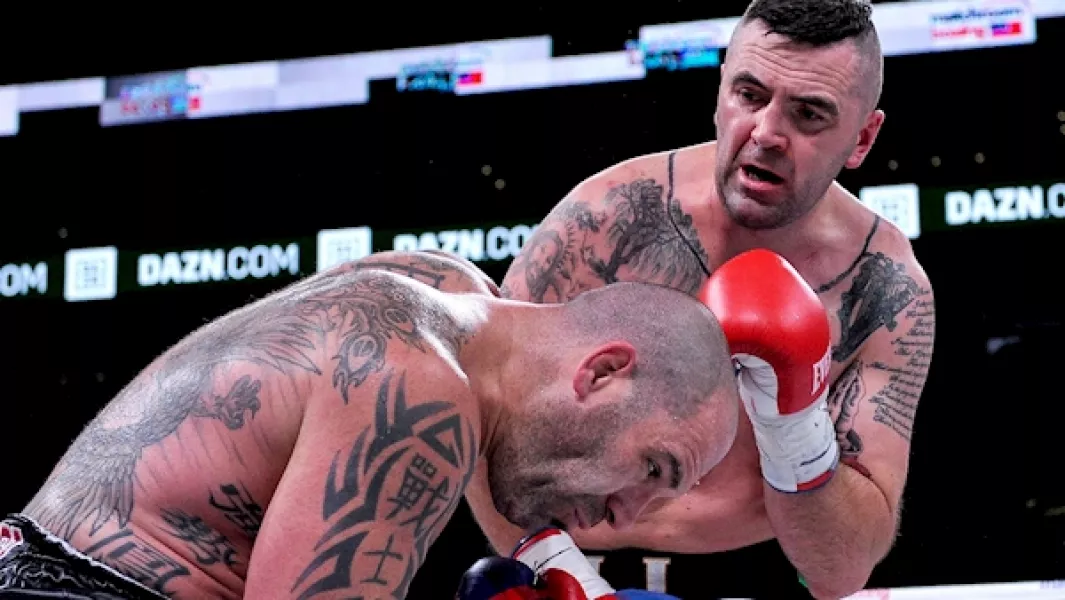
[(881, 285), (629, 231), (905, 361)]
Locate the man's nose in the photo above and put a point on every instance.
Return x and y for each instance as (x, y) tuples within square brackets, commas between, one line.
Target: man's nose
[(769, 128)]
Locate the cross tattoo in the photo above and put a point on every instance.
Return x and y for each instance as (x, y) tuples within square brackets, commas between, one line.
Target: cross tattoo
[(385, 554)]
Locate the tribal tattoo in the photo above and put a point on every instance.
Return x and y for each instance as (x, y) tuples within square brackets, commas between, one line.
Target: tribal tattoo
[(290, 333), (400, 482), (632, 233)]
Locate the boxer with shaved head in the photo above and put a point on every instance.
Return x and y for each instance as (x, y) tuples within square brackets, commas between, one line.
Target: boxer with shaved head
[(313, 444)]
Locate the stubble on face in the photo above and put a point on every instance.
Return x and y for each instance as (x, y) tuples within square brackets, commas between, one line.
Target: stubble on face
[(549, 463)]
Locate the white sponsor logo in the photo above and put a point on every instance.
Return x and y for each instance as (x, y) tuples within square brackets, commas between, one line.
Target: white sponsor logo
[(197, 266), (498, 243), (18, 280), (899, 204), (91, 274), (1005, 204), (338, 246)]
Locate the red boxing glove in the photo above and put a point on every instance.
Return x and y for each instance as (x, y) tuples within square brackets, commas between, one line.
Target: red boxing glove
[(777, 330), (563, 571)]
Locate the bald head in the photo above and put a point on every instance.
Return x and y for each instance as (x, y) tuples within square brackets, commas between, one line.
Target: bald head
[(634, 398), (820, 23), (682, 355)]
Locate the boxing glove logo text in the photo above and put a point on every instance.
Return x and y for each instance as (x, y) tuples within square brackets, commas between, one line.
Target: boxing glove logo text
[(820, 375)]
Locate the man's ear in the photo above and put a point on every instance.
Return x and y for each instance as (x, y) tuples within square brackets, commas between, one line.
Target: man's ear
[(598, 367), (866, 139)]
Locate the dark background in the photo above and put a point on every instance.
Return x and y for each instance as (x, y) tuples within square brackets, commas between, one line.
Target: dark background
[(986, 478)]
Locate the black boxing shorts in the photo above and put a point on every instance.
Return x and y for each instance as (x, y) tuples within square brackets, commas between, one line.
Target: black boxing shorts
[(36, 564)]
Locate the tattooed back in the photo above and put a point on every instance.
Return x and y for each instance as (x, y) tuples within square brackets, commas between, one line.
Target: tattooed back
[(289, 427)]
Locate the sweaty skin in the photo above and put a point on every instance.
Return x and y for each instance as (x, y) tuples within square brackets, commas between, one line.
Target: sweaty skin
[(652, 219), (326, 425)]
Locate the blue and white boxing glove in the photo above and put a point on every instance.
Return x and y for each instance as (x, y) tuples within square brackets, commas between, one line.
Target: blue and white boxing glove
[(564, 573)]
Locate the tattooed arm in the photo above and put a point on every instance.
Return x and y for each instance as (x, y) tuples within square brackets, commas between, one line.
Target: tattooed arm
[(606, 230), (368, 489), (837, 534)]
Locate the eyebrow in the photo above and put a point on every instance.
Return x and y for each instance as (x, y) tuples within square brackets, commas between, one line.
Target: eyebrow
[(675, 472), (815, 101)]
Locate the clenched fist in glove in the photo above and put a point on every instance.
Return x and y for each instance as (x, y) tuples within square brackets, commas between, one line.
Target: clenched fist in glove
[(777, 330), (498, 578), (563, 573)]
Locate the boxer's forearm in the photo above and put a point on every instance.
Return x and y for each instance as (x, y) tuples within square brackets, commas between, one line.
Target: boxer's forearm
[(835, 535)]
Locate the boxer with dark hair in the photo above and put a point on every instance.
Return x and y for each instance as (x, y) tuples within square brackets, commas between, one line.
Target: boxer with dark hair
[(797, 104), (314, 444)]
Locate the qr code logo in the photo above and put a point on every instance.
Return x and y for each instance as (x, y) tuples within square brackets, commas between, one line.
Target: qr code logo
[(899, 204), (91, 274), (338, 246)]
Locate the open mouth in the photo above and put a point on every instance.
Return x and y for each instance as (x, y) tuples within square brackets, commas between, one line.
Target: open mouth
[(760, 174)]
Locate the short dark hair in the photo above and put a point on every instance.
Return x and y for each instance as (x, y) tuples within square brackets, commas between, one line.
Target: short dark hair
[(819, 23), (814, 22)]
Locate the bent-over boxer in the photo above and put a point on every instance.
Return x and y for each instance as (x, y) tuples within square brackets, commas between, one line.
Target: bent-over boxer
[(313, 444), (797, 104), (778, 333)]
